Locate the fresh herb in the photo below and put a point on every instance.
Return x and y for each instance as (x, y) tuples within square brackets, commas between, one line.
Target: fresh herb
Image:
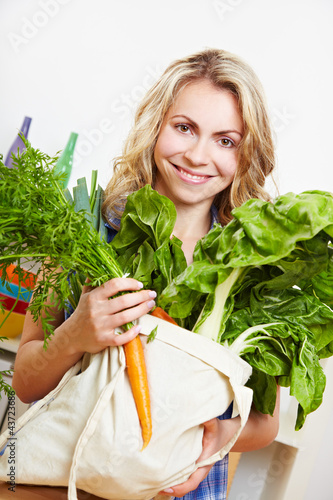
[(4, 386), (40, 224)]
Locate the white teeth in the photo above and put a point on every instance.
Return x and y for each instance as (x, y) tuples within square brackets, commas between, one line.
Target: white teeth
[(195, 177)]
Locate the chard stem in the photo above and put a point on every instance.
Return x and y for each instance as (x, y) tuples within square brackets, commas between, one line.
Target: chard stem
[(240, 343), (211, 326)]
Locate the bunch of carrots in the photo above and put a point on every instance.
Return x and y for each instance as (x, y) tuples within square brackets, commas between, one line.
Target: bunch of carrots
[(43, 224)]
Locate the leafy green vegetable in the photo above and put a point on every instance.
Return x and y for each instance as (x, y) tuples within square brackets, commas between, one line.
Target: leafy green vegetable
[(240, 289), (144, 244), (266, 284)]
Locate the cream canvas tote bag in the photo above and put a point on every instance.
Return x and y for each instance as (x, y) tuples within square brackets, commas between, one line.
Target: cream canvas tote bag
[(86, 434)]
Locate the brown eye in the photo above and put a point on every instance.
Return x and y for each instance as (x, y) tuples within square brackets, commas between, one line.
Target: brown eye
[(183, 128), (227, 143)]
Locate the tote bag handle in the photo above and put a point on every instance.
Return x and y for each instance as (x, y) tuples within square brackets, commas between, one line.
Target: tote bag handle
[(92, 422)]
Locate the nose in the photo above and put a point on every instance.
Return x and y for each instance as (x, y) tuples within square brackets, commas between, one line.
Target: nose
[(197, 153)]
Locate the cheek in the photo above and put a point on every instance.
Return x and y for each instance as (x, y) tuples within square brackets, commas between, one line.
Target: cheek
[(228, 167), (168, 144)]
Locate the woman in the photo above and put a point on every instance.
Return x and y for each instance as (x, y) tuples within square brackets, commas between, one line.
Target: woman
[(202, 138)]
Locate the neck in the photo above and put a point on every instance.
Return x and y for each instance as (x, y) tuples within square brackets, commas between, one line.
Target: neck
[(191, 225)]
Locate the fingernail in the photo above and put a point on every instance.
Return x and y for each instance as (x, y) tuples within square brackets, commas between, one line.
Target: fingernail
[(151, 304), (167, 490), (152, 294), (140, 285), (137, 328)]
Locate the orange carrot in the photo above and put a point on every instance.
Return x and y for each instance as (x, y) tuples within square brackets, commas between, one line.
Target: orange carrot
[(137, 374), (158, 312)]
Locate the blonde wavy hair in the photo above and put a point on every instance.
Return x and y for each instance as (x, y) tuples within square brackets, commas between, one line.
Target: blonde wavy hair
[(256, 156)]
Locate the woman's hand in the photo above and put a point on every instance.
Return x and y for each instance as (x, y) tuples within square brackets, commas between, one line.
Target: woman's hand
[(217, 434), (260, 431), (92, 326)]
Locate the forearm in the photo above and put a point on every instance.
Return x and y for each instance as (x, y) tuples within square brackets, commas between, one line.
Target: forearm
[(260, 429), (37, 370)]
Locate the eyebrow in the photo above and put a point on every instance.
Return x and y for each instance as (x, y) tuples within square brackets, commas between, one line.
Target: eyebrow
[(228, 131)]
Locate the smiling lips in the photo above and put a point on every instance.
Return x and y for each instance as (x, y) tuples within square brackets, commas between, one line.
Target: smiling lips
[(192, 178)]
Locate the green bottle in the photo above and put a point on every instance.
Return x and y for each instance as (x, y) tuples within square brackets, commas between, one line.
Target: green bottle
[(65, 162)]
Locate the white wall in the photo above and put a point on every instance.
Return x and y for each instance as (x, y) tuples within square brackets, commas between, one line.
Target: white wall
[(79, 65)]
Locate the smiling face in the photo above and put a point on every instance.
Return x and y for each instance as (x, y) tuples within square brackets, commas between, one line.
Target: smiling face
[(196, 150)]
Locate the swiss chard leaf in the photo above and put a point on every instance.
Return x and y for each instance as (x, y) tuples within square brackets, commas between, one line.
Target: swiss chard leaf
[(285, 250), (307, 381), (265, 398), (147, 215), (321, 285), (144, 243)]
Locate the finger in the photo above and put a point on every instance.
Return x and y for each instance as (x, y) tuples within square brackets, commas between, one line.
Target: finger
[(124, 338), (129, 300), (112, 287), (116, 285), (86, 287), (191, 484), (128, 315)]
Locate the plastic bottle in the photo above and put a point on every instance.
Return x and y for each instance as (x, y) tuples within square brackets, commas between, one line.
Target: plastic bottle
[(18, 144), (65, 162)]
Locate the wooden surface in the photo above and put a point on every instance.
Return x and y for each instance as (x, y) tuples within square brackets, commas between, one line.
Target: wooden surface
[(234, 458), (25, 492)]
